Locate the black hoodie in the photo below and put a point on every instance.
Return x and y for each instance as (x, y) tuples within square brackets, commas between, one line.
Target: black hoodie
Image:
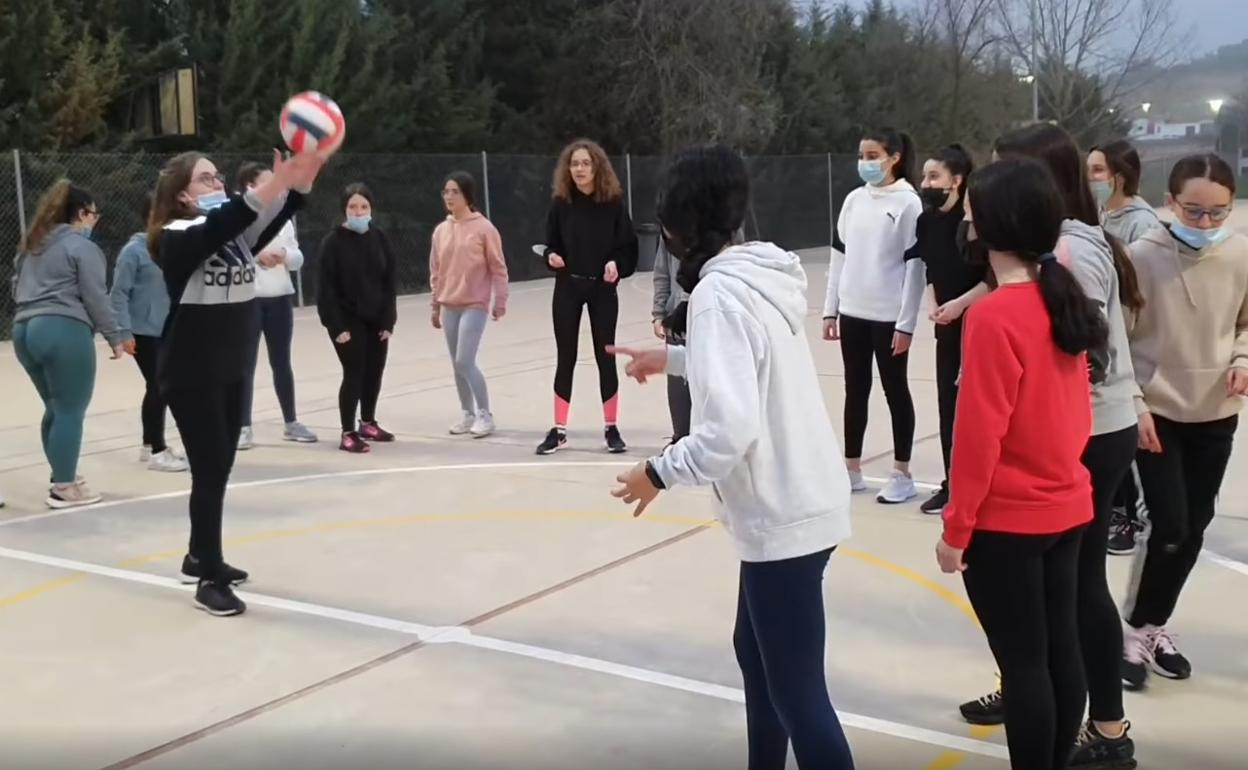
[(210, 272), (588, 235), (357, 285)]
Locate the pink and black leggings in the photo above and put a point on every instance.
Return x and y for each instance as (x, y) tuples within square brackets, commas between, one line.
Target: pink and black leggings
[(572, 294)]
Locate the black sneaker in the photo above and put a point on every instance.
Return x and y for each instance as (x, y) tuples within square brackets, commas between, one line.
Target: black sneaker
[(1166, 658), (1122, 533), (615, 443), (1136, 657), (218, 599), (988, 710), (555, 440), (192, 572), (1094, 751), (935, 505)]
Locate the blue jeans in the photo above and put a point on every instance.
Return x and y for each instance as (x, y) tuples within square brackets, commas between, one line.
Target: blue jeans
[(779, 639)]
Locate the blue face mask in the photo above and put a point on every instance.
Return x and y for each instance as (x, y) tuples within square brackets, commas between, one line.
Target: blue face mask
[(359, 224), (212, 200), (871, 171), (1102, 190), (86, 232), (1199, 239)]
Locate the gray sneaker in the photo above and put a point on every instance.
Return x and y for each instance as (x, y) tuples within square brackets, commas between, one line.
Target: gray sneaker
[(246, 438), (63, 496), (899, 489), (298, 432)]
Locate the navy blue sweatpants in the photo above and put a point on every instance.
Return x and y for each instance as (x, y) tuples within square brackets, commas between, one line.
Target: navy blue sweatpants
[(779, 640)]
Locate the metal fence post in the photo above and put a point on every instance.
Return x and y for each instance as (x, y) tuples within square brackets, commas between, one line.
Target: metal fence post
[(831, 207), (485, 181), (628, 175), (17, 180)]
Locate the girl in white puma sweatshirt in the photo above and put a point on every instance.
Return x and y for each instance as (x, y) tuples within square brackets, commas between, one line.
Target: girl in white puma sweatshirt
[(874, 293)]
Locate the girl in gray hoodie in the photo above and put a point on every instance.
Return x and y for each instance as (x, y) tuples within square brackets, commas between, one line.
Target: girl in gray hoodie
[(1104, 270), (62, 300)]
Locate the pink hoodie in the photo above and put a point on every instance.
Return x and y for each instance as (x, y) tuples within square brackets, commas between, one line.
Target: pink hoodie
[(466, 263)]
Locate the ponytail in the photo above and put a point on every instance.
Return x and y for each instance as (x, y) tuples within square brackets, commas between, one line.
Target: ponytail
[(60, 204), (1078, 324), (957, 159), (1018, 209), (1129, 293), (900, 144)]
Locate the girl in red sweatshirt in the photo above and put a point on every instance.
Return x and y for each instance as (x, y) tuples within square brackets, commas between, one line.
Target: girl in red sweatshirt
[(1019, 494)]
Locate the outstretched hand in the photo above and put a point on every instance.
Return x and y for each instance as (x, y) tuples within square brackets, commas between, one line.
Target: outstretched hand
[(643, 364), (636, 488)]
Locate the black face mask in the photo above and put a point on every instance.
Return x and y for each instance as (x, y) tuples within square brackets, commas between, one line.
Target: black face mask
[(934, 197)]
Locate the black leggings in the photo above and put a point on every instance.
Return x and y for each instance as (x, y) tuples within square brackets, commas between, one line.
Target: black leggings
[(1108, 459), (1180, 487), (571, 295), (948, 367), (363, 360), (146, 350), (209, 419), (860, 340), (780, 639), (1023, 588), (277, 326)]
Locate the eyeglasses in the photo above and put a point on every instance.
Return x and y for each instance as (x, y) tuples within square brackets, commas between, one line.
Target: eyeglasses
[(582, 164), (1195, 213), (206, 179)]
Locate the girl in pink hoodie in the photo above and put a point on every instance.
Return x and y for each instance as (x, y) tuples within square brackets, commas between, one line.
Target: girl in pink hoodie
[(466, 271)]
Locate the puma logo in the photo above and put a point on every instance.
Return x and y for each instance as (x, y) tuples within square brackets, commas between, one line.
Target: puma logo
[(892, 217)]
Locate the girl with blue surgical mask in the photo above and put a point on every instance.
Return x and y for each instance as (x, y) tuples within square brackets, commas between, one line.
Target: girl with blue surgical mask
[(356, 304), (875, 289), (1189, 347)]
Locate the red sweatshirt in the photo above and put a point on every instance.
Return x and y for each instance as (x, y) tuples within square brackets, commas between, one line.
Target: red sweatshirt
[(1024, 416)]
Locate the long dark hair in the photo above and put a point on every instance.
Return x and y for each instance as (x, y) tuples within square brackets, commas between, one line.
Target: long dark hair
[(1123, 161), (60, 204), (959, 162), (1056, 149), (166, 206), (702, 204), (897, 143), (467, 187), (1019, 209), (354, 189)]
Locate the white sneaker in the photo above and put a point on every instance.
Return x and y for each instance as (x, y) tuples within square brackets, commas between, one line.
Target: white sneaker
[(899, 489), (246, 438), (466, 421), (856, 482), (145, 453), (167, 461), (483, 425)]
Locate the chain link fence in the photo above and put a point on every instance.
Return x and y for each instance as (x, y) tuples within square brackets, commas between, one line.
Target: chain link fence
[(793, 203)]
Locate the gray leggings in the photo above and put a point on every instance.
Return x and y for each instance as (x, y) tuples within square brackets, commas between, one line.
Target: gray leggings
[(463, 328)]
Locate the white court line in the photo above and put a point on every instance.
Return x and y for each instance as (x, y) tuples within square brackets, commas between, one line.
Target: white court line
[(1225, 561), (464, 636)]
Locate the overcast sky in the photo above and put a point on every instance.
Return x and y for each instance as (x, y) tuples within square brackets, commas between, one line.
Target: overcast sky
[(1217, 22)]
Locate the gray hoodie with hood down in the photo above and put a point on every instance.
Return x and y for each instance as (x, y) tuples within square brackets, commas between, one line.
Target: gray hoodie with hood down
[(1130, 222), (1084, 250), (760, 435), (66, 276)]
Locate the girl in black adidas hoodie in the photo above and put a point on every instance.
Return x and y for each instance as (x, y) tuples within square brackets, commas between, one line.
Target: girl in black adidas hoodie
[(204, 242)]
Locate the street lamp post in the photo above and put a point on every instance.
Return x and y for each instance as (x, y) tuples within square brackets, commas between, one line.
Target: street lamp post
[(1035, 75)]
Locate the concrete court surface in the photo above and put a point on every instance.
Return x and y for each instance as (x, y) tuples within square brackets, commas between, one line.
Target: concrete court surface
[(446, 602)]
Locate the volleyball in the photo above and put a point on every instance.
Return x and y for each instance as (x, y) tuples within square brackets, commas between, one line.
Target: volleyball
[(312, 122)]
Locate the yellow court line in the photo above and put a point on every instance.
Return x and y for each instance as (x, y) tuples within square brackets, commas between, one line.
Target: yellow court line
[(946, 761)]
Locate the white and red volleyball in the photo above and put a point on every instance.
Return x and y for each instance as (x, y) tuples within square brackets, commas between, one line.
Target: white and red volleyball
[(312, 122)]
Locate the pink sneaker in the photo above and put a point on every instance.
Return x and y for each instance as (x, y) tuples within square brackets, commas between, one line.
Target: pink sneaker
[(371, 431), (351, 442)]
